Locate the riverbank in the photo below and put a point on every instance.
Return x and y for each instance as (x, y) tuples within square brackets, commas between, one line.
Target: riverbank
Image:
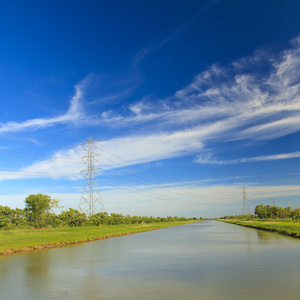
[(286, 227), (22, 240)]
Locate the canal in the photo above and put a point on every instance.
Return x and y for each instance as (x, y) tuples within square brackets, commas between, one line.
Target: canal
[(205, 260)]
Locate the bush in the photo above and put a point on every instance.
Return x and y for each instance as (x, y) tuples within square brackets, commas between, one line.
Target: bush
[(11, 218), (73, 217), (99, 219)]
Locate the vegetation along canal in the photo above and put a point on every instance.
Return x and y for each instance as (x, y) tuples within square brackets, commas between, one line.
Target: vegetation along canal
[(204, 260)]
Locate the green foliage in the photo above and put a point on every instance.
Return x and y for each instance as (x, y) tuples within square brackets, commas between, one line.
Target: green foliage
[(19, 238), (286, 227), (53, 220), (99, 219), (73, 217), (4, 222), (238, 217), (273, 212), (37, 208), (6, 215), (117, 219), (265, 212), (37, 212), (296, 214), (10, 218), (19, 217)]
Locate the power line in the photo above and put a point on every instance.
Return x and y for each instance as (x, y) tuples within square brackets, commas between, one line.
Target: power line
[(150, 171), (72, 160), (157, 195), (130, 167), (120, 158), (51, 140), (178, 191)]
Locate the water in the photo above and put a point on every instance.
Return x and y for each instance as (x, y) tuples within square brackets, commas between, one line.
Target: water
[(205, 260)]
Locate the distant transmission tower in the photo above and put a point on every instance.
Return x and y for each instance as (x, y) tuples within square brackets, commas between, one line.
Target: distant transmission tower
[(246, 209), (91, 201)]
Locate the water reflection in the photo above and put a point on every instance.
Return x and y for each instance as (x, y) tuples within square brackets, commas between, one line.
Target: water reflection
[(211, 259), (36, 270), (265, 237)]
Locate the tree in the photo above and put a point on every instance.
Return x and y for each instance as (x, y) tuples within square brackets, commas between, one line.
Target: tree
[(37, 206), (53, 220), (284, 213), (274, 212), (4, 222), (296, 214), (12, 217), (73, 217), (261, 211), (116, 219), (6, 215), (100, 218)]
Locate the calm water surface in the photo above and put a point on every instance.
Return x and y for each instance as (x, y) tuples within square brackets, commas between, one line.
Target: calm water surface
[(205, 260)]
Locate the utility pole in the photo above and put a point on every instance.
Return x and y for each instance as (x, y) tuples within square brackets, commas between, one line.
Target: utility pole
[(246, 209), (91, 201)]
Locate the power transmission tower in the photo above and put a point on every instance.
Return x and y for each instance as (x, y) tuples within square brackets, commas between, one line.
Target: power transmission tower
[(91, 201), (246, 209)]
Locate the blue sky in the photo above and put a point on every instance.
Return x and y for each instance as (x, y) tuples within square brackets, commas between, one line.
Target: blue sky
[(191, 101)]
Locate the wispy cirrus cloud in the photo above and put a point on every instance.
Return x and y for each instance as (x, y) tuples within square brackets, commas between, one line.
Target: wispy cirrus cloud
[(254, 98), (247, 103), (142, 54), (136, 149), (221, 104), (209, 159), (75, 113)]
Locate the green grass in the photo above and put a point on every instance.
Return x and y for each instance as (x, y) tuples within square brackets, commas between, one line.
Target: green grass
[(286, 227), (17, 239)]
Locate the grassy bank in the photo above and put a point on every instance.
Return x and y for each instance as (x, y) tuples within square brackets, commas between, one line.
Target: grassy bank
[(286, 227), (19, 240)]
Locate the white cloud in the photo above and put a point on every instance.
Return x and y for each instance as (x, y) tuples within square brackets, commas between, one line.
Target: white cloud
[(252, 105), (136, 149), (271, 130), (74, 114), (209, 159), (221, 104), (267, 192), (249, 105)]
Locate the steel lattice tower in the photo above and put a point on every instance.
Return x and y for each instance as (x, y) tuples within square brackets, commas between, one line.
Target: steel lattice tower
[(246, 209), (91, 201)]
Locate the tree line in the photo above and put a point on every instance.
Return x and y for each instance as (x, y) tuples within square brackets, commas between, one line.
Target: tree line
[(276, 212), (262, 211), (38, 214)]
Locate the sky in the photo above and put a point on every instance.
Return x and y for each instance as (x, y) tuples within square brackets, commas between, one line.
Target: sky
[(188, 102)]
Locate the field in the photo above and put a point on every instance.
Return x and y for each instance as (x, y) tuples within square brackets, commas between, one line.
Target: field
[(286, 227), (19, 240)]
